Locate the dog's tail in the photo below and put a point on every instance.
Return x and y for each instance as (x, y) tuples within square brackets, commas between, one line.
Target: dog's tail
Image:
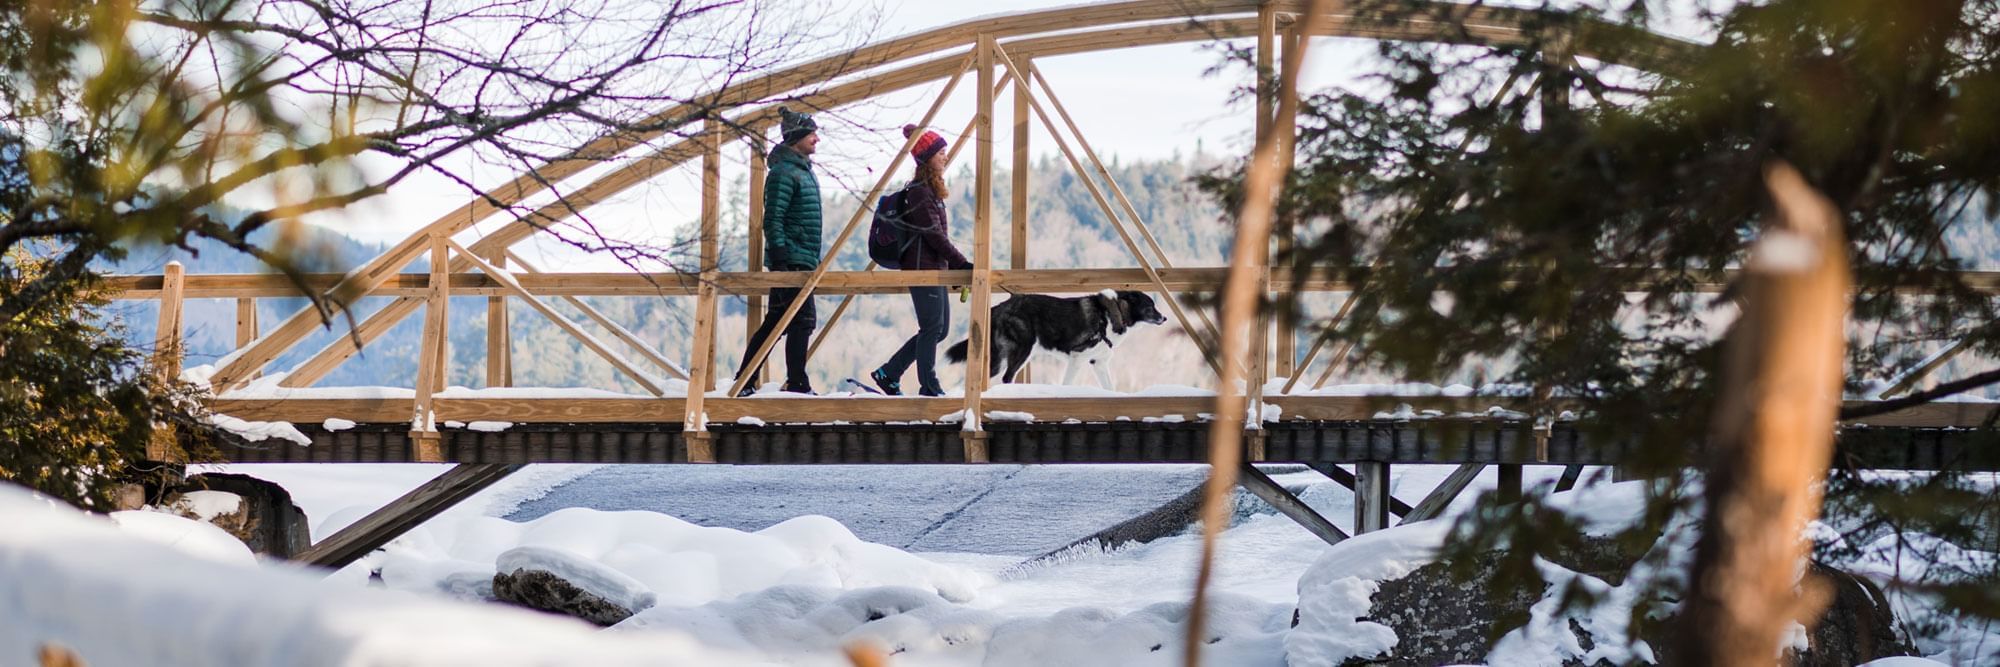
[(956, 354)]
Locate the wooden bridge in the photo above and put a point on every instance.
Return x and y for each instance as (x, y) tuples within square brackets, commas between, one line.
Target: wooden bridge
[(686, 416)]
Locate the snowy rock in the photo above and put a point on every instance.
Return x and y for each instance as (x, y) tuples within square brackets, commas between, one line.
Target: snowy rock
[(259, 513), (560, 582)]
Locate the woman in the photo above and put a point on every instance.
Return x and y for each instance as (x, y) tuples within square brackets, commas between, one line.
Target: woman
[(929, 249)]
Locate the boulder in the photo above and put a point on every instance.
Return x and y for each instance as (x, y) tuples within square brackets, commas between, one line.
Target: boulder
[(1441, 619), (262, 514), (560, 582)]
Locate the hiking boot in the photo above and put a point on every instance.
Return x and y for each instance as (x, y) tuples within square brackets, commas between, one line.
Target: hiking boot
[(887, 385), (799, 388), (930, 391)]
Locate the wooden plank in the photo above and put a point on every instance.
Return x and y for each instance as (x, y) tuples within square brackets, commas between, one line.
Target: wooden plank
[(979, 347), (1440, 498), (1017, 252), (589, 342), (1275, 494), (164, 444), (436, 327), (167, 334), (316, 410), (701, 358), (400, 515), (753, 313), (499, 336), (246, 321)]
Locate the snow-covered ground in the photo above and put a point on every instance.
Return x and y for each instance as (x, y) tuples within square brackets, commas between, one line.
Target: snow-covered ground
[(931, 562)]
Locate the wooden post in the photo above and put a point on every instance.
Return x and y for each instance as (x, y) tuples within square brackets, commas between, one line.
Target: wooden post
[(1286, 349), (753, 314), (701, 364), (246, 321), (163, 446), (423, 425), (167, 337), (499, 344), (1509, 481), (1017, 255), (1371, 496), (979, 347)]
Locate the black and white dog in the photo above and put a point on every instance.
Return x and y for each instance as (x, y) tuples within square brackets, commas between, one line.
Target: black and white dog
[(1081, 329)]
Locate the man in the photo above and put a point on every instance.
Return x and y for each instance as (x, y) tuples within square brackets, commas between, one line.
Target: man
[(791, 243)]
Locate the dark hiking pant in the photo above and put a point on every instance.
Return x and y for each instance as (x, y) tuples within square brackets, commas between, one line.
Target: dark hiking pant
[(798, 338), (933, 318)]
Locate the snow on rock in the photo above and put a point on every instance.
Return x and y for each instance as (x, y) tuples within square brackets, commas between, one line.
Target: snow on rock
[(585, 574), (115, 598), (684, 564), (1335, 593), (187, 535), (1904, 661), (259, 431), (206, 505), (337, 424)]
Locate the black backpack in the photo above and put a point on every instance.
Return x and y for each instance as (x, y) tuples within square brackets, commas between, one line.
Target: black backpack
[(888, 235)]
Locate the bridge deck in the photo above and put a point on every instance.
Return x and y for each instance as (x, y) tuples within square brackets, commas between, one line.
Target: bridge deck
[(1309, 441)]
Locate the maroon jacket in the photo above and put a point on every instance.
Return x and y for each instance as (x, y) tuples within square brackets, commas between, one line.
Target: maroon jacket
[(931, 249)]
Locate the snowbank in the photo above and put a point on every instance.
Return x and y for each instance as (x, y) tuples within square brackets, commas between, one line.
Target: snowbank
[(114, 599), (191, 537), (802, 625), (682, 563)]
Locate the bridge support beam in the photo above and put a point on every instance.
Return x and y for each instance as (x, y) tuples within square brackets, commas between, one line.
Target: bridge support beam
[(402, 514), (1275, 494), (1371, 496), (1439, 498), (430, 355), (701, 358)]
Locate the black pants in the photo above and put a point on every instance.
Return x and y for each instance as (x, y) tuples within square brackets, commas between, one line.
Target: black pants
[(933, 317), (798, 338)]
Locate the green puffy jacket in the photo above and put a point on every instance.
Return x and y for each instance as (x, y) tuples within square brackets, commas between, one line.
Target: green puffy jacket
[(791, 213)]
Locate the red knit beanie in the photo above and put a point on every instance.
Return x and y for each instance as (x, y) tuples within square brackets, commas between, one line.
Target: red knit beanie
[(926, 146)]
